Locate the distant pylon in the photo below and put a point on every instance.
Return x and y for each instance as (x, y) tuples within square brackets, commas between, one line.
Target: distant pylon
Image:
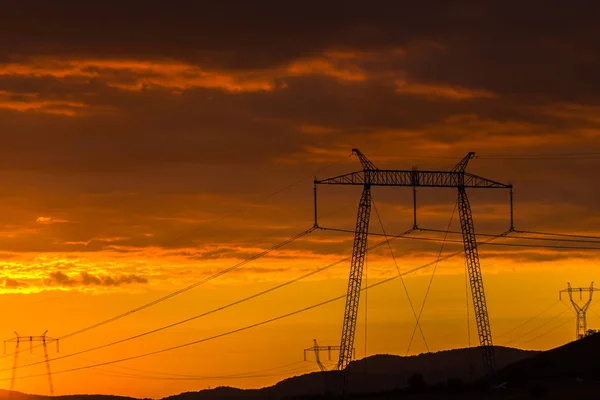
[(317, 349), (42, 338), (580, 310)]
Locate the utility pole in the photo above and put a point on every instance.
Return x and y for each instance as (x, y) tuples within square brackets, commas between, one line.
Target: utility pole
[(456, 178), (20, 339), (580, 310)]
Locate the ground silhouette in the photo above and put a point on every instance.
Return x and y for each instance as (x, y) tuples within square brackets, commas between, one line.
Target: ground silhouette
[(571, 371)]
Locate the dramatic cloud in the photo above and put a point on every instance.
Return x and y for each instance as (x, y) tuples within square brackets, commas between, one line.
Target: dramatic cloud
[(58, 278), (13, 283)]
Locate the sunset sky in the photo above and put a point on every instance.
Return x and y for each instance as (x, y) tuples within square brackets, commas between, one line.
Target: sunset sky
[(147, 145)]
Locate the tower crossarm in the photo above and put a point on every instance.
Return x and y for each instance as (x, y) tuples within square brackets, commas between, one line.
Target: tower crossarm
[(579, 290), (317, 349), (322, 348), (31, 339), (414, 178), (44, 339), (574, 291)]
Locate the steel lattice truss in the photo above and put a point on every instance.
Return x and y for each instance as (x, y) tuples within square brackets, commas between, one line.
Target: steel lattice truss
[(456, 178), (414, 178), (18, 339), (484, 330), (316, 349), (359, 251)]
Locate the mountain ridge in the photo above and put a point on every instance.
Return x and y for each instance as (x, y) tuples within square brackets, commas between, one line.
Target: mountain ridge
[(383, 371)]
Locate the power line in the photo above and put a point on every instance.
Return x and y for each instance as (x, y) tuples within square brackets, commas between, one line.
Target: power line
[(524, 237), (303, 369), (547, 332), (244, 208), (283, 370), (527, 320), (289, 241), (302, 234), (164, 350), (540, 246), (557, 240), (180, 322), (193, 285), (412, 336), (284, 366), (147, 305), (172, 294), (247, 327), (519, 339), (541, 156), (418, 325), (187, 288), (561, 234)]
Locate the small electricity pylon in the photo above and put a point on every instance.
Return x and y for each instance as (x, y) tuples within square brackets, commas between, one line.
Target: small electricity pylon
[(580, 310), (18, 339), (317, 349)]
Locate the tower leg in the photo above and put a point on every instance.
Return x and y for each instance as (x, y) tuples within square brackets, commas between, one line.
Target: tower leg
[(51, 388), (318, 356), (14, 370), (476, 281), (355, 279), (581, 324)]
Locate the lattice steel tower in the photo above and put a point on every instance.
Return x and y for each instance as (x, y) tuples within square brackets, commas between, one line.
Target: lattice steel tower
[(456, 178), (581, 310), (316, 349), (18, 339)]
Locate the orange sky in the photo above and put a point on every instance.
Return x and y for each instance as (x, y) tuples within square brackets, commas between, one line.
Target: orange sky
[(137, 161)]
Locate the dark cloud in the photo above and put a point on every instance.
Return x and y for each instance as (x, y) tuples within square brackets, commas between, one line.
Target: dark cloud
[(532, 256), (131, 120), (10, 283), (58, 278), (553, 46), (101, 280), (235, 33)]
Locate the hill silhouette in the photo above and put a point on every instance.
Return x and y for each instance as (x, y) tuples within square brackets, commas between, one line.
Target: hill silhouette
[(7, 394), (578, 360), (375, 373), (571, 371)]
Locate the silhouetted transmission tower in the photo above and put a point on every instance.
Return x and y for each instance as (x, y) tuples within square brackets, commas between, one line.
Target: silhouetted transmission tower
[(456, 178), (580, 310), (317, 350), (18, 339)]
